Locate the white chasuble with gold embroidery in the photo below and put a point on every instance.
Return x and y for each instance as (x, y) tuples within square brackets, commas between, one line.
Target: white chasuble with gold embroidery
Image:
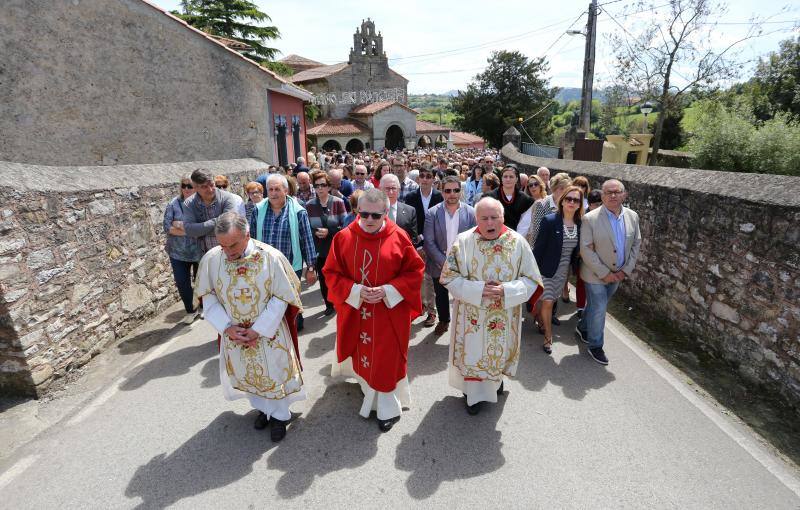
[(254, 292), (485, 332)]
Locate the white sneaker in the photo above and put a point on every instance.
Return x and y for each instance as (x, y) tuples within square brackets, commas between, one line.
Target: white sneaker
[(189, 318)]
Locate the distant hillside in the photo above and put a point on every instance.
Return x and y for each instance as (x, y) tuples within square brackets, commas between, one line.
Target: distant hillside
[(423, 101), (568, 94)]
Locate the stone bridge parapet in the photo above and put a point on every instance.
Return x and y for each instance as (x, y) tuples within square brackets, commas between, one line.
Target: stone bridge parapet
[(82, 260), (720, 259)]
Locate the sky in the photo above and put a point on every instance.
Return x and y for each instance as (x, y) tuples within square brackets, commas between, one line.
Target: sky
[(441, 46)]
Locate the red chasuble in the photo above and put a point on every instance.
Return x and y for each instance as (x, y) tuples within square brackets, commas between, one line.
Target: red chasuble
[(374, 336)]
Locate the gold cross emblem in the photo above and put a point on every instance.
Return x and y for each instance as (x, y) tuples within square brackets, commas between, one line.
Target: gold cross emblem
[(243, 295)]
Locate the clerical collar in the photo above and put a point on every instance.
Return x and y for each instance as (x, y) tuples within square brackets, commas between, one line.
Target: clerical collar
[(383, 226), (248, 249)]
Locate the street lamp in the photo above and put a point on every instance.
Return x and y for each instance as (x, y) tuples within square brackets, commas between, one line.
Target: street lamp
[(646, 108)]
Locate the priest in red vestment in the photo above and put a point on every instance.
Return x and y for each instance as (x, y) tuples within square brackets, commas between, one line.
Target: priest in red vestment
[(374, 277)]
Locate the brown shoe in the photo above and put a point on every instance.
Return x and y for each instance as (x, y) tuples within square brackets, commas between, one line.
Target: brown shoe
[(430, 320), (441, 328)]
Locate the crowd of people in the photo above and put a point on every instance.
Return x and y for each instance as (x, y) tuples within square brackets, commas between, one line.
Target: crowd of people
[(390, 236)]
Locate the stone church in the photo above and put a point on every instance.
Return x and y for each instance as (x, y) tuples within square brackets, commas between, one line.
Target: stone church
[(363, 102)]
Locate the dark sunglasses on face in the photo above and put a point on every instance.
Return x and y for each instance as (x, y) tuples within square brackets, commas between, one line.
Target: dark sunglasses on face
[(222, 186), (452, 190), (187, 186), (373, 215), (572, 200), (533, 185), (320, 185), (359, 173)]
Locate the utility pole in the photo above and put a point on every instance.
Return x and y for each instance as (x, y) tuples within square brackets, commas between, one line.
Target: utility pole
[(588, 69)]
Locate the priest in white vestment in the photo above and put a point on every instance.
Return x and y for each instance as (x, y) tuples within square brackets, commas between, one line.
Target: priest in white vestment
[(491, 273), (249, 290)]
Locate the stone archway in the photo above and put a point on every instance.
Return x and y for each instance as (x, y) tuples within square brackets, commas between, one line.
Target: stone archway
[(331, 145), (424, 142), (354, 145), (395, 139)]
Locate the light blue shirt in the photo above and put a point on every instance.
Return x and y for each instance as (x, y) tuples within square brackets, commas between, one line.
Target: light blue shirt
[(618, 228)]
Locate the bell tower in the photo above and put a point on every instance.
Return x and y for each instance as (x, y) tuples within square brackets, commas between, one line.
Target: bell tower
[(368, 47)]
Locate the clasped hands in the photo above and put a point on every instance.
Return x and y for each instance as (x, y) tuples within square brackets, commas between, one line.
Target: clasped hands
[(372, 295), (614, 277), (493, 290), (245, 337)]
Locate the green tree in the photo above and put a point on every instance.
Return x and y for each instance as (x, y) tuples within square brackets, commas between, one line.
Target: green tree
[(511, 86), (234, 19), (679, 36), (729, 139), (778, 78)]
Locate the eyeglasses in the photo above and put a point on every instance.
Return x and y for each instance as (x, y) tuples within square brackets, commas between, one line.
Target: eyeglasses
[(359, 173), (373, 215), (613, 194), (572, 200), (321, 185), (451, 190), (390, 188), (187, 186), (533, 185), (222, 186), (254, 192)]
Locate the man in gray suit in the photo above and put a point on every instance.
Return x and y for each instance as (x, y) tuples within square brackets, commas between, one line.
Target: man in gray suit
[(443, 223), (610, 240)]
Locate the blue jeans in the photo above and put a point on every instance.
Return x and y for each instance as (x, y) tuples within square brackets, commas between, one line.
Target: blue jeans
[(184, 273), (593, 322)]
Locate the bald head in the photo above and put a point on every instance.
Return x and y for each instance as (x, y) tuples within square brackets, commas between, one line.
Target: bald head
[(486, 204)]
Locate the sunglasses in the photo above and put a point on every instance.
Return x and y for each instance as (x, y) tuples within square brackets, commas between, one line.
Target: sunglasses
[(321, 185), (533, 185), (373, 215), (572, 200), (187, 186), (359, 173), (222, 186), (452, 190)]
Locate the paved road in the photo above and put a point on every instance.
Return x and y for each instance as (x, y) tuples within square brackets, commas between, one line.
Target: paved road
[(151, 430)]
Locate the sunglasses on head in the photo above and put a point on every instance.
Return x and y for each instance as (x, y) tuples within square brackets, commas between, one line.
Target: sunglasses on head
[(373, 215), (187, 186)]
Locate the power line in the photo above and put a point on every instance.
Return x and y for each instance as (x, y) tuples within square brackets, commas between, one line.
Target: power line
[(484, 44)]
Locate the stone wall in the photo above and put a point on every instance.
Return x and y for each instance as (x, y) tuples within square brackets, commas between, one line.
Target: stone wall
[(82, 260), (720, 259), (128, 82)]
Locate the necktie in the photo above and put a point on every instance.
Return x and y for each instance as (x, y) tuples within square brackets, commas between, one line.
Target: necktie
[(392, 213)]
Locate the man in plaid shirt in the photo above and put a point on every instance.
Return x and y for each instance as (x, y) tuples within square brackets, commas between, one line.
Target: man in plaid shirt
[(276, 229), (399, 168)]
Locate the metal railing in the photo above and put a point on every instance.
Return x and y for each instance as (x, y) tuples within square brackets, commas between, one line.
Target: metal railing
[(540, 151)]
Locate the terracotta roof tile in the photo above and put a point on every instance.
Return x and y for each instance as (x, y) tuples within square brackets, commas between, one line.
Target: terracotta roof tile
[(232, 43), (337, 127), (462, 137), (430, 127), (318, 72), (298, 60), (373, 108)]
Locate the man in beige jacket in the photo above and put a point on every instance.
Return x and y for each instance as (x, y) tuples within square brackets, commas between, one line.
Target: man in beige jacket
[(610, 240)]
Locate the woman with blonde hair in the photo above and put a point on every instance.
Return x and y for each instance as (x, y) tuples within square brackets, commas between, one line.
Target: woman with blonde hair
[(536, 187), (556, 249)]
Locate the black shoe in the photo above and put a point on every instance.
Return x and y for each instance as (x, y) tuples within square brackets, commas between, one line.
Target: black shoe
[(555, 320), (329, 310), (300, 322), (386, 425), (474, 408), (278, 430), (580, 313), (598, 355), (548, 348), (581, 335), (261, 421), (500, 389)]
